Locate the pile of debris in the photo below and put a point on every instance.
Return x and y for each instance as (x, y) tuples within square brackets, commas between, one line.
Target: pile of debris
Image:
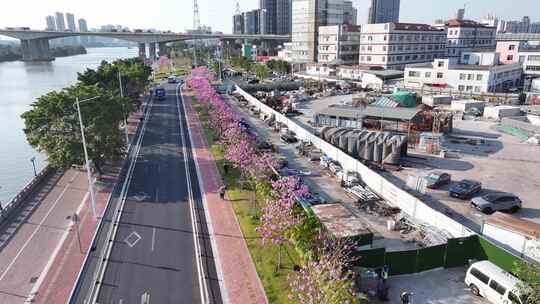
[(422, 234)]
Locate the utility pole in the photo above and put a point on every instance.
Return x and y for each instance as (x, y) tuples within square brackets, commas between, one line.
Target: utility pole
[(88, 173), (196, 16)]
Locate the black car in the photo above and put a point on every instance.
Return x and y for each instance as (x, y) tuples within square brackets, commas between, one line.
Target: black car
[(288, 139), (160, 93), (465, 189)]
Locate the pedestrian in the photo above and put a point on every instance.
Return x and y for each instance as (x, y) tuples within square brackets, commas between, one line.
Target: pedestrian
[(382, 290), (405, 297), (226, 169), (222, 192)]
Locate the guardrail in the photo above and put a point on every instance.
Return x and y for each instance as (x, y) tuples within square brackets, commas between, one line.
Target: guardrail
[(394, 195), (10, 209)]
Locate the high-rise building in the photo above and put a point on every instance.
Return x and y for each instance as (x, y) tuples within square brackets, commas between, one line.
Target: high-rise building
[(238, 24), (350, 13), (383, 11), (70, 18), (51, 25), (267, 16), (460, 15), (83, 27), (252, 22), (60, 22), (307, 17), (283, 17)]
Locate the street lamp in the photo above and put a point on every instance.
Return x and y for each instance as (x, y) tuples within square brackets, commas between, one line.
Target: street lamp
[(88, 173), (123, 107), (33, 160)]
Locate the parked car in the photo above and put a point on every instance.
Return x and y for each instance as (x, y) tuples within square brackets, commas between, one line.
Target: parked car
[(499, 201), (487, 280), (288, 138), (465, 189), (437, 179)]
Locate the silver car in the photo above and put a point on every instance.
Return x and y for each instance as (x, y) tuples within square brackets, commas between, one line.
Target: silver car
[(492, 202)]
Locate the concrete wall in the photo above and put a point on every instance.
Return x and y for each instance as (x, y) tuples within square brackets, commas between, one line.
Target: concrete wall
[(390, 192)]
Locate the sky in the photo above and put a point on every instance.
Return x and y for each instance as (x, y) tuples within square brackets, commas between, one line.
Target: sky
[(177, 15)]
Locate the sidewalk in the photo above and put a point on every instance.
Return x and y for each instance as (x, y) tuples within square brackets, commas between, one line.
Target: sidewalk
[(58, 282), (241, 282)]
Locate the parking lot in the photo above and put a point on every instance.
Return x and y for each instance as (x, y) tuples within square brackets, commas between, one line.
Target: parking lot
[(501, 163)]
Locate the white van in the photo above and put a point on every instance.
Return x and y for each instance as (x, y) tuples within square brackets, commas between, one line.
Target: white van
[(493, 283)]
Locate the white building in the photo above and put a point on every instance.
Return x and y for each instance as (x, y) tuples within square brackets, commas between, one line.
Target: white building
[(286, 53), (466, 35), (464, 77), (339, 44), (374, 79), (394, 45)]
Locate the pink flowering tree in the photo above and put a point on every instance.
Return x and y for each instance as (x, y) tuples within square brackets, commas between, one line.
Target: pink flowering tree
[(325, 277), (279, 215)]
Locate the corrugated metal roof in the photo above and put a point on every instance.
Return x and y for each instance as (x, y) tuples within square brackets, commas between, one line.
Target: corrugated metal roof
[(385, 102), (370, 111)]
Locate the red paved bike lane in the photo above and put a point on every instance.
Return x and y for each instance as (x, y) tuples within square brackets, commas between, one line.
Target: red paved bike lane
[(241, 282), (63, 273)]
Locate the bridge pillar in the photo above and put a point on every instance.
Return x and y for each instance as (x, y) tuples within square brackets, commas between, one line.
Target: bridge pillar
[(142, 50), (162, 48), (36, 50), (152, 50)]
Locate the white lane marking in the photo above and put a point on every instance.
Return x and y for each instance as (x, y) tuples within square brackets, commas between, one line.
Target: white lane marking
[(202, 283), (153, 238), (213, 243), (38, 227), (45, 271), (132, 239), (95, 288)]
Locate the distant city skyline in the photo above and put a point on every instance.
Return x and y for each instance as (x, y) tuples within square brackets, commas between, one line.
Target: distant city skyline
[(177, 15)]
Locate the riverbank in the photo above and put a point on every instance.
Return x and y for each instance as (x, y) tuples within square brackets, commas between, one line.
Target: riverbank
[(13, 53)]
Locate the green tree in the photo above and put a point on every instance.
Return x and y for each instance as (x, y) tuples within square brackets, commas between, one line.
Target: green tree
[(135, 78), (261, 71), (530, 275), (52, 126)]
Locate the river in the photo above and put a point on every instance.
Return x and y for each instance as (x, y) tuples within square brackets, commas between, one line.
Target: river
[(20, 84)]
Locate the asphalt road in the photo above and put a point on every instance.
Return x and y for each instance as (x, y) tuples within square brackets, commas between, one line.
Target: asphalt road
[(154, 250)]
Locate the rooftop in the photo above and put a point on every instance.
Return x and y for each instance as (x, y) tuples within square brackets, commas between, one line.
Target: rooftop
[(464, 23), (415, 27), (339, 221), (377, 72), (370, 111)]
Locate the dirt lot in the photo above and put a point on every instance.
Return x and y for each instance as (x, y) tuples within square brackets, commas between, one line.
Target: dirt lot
[(502, 163)]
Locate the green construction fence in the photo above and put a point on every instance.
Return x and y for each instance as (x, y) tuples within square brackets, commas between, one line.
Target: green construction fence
[(456, 252)]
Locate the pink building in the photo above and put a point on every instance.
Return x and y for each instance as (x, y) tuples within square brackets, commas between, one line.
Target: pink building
[(509, 51)]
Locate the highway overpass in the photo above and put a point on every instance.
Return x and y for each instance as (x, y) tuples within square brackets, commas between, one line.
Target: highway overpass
[(35, 44)]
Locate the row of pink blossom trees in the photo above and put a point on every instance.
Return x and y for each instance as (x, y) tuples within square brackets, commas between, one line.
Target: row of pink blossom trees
[(322, 277)]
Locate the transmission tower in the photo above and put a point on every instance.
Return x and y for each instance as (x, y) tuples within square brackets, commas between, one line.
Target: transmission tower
[(196, 16)]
